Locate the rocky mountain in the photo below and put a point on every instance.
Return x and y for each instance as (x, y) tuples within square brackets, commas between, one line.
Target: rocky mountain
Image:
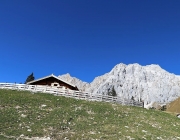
[(149, 83), (82, 86)]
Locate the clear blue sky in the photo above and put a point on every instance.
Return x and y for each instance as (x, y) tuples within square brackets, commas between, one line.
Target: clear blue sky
[(86, 38)]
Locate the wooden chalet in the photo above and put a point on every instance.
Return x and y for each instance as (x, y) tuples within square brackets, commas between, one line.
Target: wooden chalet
[(53, 81)]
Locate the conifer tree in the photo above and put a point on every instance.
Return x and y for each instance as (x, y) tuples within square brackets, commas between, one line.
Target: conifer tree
[(30, 78), (112, 92), (132, 98)]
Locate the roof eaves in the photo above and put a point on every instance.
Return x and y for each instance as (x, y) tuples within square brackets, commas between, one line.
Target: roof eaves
[(39, 79), (52, 75), (64, 81)]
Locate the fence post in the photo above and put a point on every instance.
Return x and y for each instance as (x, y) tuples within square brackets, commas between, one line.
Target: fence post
[(15, 85), (35, 87), (89, 96)]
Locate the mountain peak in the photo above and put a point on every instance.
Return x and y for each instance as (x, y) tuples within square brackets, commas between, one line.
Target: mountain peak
[(149, 83)]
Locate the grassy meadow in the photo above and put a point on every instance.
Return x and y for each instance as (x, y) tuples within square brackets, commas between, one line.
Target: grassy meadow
[(27, 115)]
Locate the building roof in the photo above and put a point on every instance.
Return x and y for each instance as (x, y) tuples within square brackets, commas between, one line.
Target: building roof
[(52, 75)]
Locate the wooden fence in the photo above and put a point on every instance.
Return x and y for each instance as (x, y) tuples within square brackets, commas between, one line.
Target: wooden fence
[(61, 91)]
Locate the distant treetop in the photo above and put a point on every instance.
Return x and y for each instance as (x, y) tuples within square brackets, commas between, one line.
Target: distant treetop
[(29, 78)]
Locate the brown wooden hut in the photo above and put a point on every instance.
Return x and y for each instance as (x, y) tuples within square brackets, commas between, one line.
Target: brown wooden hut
[(53, 81)]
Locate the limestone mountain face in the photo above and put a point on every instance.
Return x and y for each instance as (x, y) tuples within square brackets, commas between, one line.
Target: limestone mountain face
[(149, 83), (82, 86)]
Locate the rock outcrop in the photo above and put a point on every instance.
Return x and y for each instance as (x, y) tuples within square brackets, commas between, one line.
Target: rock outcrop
[(82, 86)]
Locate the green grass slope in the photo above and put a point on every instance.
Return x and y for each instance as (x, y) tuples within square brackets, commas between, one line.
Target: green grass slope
[(24, 115)]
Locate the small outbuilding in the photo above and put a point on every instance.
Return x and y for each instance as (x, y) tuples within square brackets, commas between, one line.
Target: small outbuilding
[(53, 81)]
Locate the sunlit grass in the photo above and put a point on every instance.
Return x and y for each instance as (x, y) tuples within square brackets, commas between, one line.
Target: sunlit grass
[(43, 115)]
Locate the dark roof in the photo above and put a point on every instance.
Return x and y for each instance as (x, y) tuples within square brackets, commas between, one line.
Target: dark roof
[(49, 77)]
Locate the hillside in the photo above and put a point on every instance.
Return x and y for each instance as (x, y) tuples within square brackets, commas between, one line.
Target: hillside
[(174, 106), (25, 115), (151, 83)]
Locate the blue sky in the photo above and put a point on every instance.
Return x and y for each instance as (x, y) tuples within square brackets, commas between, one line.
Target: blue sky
[(86, 38)]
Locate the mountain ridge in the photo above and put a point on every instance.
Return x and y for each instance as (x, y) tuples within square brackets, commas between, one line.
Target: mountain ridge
[(149, 83)]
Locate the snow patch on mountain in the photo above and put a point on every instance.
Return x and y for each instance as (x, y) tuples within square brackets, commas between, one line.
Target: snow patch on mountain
[(149, 83)]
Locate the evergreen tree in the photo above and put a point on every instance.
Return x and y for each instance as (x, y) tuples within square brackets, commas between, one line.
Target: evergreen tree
[(112, 92), (132, 98), (30, 78)]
